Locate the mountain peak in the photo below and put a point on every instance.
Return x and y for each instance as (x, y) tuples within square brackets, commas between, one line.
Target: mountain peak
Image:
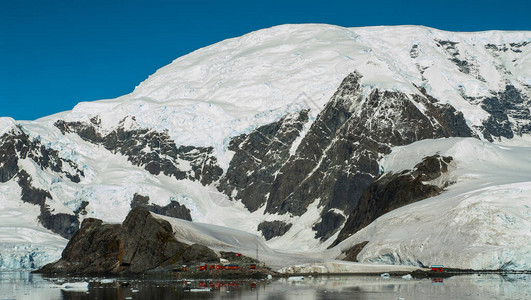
[(278, 132)]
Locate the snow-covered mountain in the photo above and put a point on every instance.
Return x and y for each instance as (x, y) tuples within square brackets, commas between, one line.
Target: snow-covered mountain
[(481, 221), (281, 132)]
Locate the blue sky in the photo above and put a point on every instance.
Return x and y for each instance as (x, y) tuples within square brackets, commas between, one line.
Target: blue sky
[(54, 54)]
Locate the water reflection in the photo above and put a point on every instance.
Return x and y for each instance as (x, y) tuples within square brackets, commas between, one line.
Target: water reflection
[(24, 285)]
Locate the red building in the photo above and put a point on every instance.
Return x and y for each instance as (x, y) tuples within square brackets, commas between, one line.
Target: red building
[(437, 268), (232, 267)]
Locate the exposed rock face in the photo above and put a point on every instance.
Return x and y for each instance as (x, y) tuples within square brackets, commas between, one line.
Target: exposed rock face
[(331, 220), (352, 253), (142, 243), (391, 191), (174, 209), (258, 157), (337, 159), (147, 242), (237, 257), (509, 109), (155, 151), (272, 229), (63, 224), (504, 105), (17, 145), (93, 249), (29, 193), (463, 63), (198, 253)]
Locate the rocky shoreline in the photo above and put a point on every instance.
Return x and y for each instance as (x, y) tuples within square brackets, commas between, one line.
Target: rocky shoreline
[(145, 245), (267, 274)]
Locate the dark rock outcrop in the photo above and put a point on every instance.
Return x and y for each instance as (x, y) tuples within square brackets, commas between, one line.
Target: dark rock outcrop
[(464, 64), (198, 254), (8, 158), (352, 253), (509, 109), (514, 47), (329, 219), (258, 157), (174, 209), (63, 224), (237, 258), (509, 103), (338, 158), (147, 242), (154, 151), (143, 243), (16, 145), (94, 248), (273, 229), (87, 132), (29, 193), (391, 191)]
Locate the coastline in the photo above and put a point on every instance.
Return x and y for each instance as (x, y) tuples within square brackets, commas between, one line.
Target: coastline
[(264, 273)]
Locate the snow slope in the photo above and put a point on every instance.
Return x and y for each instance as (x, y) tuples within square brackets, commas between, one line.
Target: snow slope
[(25, 244), (6, 124), (483, 221), (221, 238), (236, 85)]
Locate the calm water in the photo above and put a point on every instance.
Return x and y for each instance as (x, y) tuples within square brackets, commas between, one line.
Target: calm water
[(23, 285)]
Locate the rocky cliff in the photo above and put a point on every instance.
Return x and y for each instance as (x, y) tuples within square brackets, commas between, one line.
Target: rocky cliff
[(143, 243), (390, 191)]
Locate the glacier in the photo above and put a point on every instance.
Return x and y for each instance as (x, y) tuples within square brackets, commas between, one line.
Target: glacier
[(483, 221)]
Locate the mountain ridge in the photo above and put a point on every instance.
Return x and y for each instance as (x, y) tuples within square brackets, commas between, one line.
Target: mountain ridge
[(280, 131)]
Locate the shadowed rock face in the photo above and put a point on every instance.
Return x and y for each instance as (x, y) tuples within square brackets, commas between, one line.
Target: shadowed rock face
[(273, 229), (174, 209), (509, 103), (352, 253), (258, 157), (338, 158), (509, 109), (198, 253), (146, 242), (17, 145), (464, 64), (391, 191), (63, 224), (330, 221), (94, 248), (142, 243), (155, 151)]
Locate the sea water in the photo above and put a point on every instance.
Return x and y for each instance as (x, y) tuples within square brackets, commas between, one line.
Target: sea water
[(25, 285)]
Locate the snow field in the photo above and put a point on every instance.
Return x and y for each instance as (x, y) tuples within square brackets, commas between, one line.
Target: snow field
[(483, 221)]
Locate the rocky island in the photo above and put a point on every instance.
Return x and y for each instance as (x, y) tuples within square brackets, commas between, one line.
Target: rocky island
[(145, 244)]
